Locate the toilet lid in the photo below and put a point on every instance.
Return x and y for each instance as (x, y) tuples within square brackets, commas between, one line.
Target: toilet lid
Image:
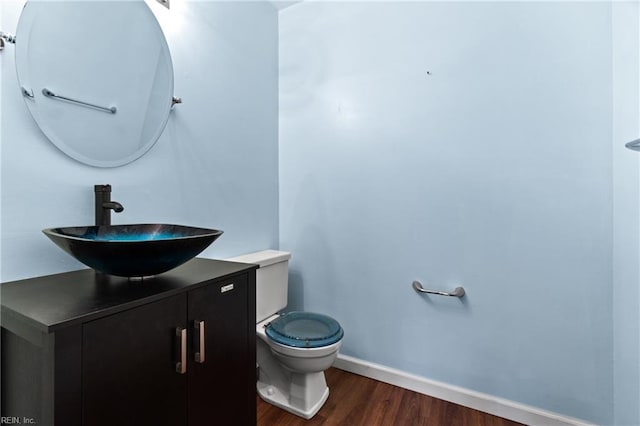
[(304, 330)]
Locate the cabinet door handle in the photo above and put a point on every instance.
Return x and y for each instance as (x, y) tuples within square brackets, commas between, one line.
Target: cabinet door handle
[(199, 352), (181, 340)]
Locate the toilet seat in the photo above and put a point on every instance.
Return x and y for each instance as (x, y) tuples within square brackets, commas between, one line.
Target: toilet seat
[(304, 330)]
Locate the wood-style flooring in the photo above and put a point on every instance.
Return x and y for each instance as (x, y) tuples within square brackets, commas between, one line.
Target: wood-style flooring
[(359, 401)]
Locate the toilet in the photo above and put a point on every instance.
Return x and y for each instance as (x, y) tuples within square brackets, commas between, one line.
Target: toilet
[(293, 349)]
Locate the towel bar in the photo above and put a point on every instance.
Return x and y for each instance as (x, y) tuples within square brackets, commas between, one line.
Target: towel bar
[(48, 93), (457, 292)]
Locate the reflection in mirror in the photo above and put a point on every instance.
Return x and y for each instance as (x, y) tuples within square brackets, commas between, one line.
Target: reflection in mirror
[(96, 76)]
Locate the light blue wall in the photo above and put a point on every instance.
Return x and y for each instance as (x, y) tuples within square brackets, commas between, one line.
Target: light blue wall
[(215, 165), (492, 172), (626, 213)]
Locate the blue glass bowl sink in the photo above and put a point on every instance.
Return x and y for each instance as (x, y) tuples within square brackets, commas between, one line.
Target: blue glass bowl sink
[(138, 250)]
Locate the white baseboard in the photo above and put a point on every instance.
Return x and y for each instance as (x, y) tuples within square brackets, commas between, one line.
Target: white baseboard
[(478, 401)]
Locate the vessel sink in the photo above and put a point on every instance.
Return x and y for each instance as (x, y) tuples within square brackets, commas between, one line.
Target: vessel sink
[(138, 250)]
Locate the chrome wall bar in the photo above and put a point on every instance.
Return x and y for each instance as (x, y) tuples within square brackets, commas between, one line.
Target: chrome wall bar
[(633, 145), (49, 94), (457, 292)]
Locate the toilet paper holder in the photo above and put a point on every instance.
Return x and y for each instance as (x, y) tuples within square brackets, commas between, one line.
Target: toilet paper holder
[(457, 292)]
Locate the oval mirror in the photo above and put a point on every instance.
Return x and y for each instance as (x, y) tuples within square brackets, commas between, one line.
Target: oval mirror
[(96, 76)]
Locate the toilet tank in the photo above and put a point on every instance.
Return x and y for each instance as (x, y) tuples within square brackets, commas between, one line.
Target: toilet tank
[(272, 280)]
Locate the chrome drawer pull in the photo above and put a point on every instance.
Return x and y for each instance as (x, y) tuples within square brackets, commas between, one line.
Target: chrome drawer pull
[(181, 365), (199, 353)]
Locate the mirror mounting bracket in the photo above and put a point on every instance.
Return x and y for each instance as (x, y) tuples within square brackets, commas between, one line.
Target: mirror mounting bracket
[(6, 37), (175, 100)]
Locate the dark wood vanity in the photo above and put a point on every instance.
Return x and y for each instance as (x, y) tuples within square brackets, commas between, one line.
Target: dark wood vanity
[(83, 348)]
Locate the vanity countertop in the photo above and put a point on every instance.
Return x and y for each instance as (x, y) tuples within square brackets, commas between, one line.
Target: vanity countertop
[(56, 301)]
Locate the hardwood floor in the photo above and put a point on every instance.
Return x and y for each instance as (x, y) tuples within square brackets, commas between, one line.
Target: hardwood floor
[(359, 401)]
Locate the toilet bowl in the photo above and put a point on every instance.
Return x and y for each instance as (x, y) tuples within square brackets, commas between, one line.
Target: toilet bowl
[(293, 349)]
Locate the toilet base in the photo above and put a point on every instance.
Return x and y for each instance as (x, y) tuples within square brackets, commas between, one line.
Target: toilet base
[(304, 397)]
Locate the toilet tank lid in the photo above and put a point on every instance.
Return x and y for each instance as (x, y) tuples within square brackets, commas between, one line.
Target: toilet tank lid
[(262, 258)]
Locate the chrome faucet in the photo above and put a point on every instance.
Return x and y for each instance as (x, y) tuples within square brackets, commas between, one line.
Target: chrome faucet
[(104, 205)]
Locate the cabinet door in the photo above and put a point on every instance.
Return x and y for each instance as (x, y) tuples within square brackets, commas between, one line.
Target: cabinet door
[(129, 367), (222, 387)]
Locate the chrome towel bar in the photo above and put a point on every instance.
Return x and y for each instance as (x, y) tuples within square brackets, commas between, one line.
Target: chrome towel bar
[(48, 93), (457, 292)]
